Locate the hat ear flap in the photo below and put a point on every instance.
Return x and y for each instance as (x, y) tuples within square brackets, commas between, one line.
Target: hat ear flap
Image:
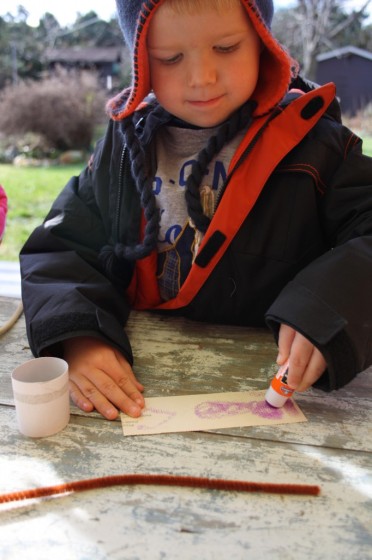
[(134, 19)]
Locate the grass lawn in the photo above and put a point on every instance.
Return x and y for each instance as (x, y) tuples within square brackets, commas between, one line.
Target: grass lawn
[(367, 146), (30, 192)]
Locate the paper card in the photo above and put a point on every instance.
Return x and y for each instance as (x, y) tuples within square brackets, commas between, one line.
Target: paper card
[(188, 413)]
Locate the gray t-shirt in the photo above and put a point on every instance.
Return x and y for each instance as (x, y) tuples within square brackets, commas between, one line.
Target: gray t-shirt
[(177, 149)]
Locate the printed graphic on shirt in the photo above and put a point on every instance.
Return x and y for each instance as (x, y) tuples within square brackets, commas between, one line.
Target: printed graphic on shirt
[(173, 213), (178, 242)]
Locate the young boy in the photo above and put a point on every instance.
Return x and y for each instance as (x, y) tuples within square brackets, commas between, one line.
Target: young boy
[(231, 194)]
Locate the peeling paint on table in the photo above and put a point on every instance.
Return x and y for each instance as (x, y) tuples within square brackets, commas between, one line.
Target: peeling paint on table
[(333, 449)]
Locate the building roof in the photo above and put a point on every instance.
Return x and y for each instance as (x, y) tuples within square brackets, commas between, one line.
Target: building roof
[(90, 55), (344, 51)]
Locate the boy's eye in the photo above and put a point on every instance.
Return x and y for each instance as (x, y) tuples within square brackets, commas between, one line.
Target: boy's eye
[(172, 59), (226, 48)]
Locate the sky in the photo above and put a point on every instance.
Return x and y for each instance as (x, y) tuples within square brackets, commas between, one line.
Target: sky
[(66, 11)]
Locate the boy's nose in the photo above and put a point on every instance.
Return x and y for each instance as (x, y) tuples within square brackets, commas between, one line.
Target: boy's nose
[(201, 73)]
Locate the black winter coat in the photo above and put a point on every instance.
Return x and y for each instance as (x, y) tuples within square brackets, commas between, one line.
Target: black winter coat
[(303, 255)]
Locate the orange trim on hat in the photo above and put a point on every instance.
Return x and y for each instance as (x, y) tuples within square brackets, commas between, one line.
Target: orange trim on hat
[(276, 67), (123, 104)]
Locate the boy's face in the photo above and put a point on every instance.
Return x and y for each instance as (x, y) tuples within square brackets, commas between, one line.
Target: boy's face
[(203, 65)]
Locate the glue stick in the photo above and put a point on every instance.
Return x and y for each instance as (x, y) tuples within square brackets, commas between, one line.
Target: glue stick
[(278, 392)]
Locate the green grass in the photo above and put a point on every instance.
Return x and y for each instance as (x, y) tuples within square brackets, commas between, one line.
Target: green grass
[(30, 193), (367, 146)]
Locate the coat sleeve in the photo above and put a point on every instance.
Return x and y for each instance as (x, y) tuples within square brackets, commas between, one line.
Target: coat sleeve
[(64, 288), (330, 300)]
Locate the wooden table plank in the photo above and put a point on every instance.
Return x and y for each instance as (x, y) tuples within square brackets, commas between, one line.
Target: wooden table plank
[(158, 522), (175, 356)]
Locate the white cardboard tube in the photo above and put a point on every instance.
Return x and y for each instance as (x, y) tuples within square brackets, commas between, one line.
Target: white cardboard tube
[(41, 396)]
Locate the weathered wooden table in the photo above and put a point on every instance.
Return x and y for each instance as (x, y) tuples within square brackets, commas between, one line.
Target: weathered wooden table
[(175, 356)]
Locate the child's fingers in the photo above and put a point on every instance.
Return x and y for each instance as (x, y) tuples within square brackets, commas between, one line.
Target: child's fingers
[(83, 391), (79, 399), (299, 357), (105, 395), (306, 363), (124, 366), (286, 336), (315, 368), (122, 375), (101, 378)]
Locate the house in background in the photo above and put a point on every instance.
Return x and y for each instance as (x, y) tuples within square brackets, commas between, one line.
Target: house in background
[(105, 61), (350, 69)]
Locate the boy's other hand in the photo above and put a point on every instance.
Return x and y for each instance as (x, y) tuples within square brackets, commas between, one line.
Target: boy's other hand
[(306, 363), (102, 379)]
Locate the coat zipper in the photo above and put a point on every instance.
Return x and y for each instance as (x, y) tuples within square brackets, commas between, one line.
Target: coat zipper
[(122, 170)]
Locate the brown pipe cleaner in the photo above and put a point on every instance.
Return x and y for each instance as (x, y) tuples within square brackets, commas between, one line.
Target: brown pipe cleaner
[(161, 480)]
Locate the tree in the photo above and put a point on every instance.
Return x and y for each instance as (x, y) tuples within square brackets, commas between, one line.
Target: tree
[(313, 26), (19, 52), (89, 31), (48, 29), (22, 46), (365, 39)]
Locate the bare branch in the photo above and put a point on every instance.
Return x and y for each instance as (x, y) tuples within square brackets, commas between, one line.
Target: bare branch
[(352, 17)]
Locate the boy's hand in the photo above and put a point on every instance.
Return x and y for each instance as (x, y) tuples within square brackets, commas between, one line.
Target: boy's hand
[(306, 363), (101, 378)]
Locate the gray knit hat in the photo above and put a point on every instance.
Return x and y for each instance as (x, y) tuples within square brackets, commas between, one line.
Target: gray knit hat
[(134, 17), (129, 10)]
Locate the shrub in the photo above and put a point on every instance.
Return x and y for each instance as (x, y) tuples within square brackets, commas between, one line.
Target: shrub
[(64, 109), (28, 144)]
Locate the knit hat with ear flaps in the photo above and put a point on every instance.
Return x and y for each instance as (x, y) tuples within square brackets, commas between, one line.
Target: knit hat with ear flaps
[(134, 17)]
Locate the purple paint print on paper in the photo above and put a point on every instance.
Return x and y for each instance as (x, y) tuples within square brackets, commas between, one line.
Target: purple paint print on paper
[(164, 415), (218, 409), (262, 409)]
